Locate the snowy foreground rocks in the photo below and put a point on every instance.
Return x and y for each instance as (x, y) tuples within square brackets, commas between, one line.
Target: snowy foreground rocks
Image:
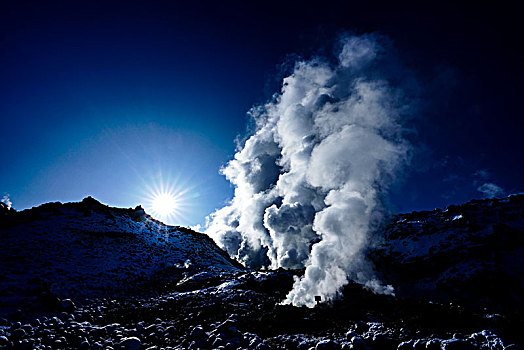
[(212, 303), (239, 310), (158, 334)]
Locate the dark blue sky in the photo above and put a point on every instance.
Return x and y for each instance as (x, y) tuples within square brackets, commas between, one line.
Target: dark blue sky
[(111, 99)]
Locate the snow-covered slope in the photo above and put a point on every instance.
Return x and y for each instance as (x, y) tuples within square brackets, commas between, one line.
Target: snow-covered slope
[(89, 249), (471, 253)]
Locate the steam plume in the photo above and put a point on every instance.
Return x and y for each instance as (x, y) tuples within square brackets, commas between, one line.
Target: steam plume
[(309, 181), (490, 190)]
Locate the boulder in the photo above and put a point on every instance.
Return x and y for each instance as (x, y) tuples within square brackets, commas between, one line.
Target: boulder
[(327, 345), (131, 343)]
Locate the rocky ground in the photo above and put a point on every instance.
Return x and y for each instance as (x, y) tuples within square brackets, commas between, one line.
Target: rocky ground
[(213, 303), (190, 309)]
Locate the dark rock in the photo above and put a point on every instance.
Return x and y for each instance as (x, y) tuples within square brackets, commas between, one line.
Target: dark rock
[(27, 327), (254, 342), (358, 343), (197, 333), (63, 316), (420, 344), (197, 344), (346, 346), (26, 344), (4, 341), (218, 342), (170, 331), (56, 321), (111, 329), (350, 334), (68, 305), (230, 346), (513, 347), (18, 333), (236, 341), (456, 344), (433, 344), (262, 346), (405, 345), (381, 341), (361, 327), (150, 329), (327, 345), (228, 326), (132, 343)]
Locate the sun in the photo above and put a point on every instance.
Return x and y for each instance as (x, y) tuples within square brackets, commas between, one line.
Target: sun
[(164, 204), (168, 199)]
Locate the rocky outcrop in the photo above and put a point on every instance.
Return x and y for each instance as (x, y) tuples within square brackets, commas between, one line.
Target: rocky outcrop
[(88, 249), (471, 254)]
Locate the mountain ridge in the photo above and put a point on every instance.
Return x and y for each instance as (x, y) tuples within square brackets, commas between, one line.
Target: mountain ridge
[(461, 253), (85, 275), (88, 249)]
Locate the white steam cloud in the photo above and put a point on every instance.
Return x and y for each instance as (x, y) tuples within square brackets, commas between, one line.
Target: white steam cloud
[(487, 188), (490, 190), (309, 182)]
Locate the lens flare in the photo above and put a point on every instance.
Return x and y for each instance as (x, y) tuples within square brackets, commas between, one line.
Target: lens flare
[(164, 204), (168, 199)]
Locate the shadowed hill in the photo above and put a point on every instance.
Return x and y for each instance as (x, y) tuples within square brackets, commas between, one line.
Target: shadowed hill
[(88, 249), (472, 254), (137, 283)]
